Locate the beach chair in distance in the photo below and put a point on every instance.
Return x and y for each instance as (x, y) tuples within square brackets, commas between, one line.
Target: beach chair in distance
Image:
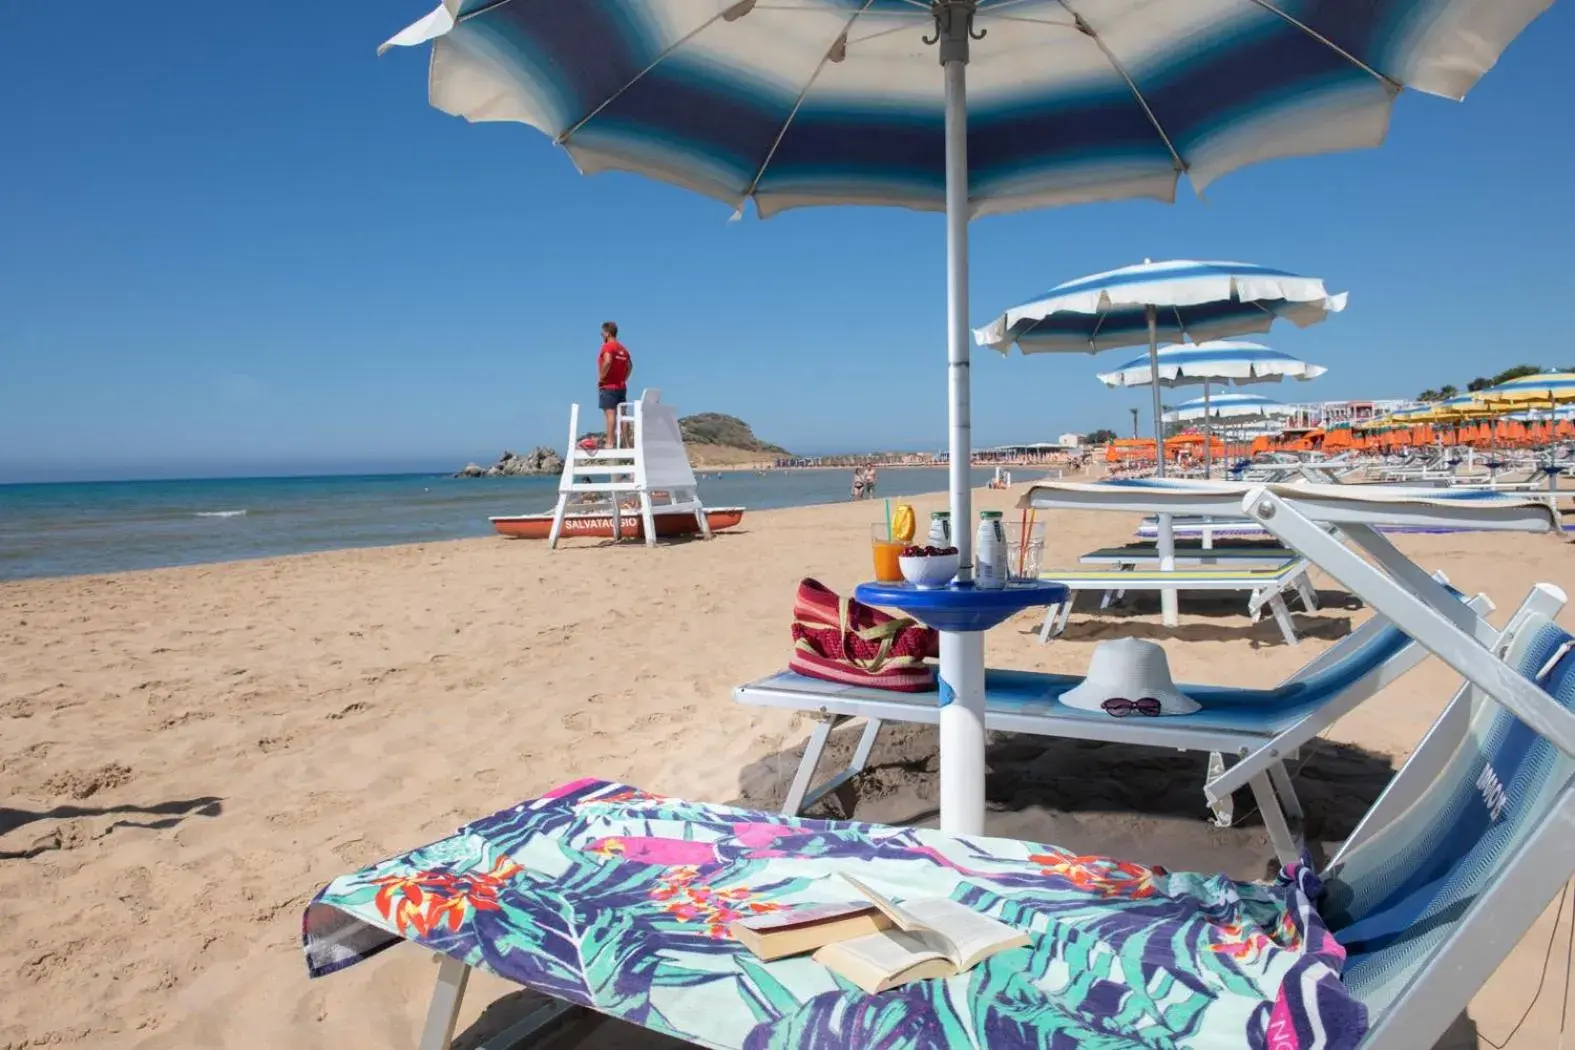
[(1265, 586), (1234, 722), (1442, 878), (655, 462)]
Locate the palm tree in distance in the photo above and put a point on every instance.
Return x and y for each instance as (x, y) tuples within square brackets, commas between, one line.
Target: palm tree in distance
[(1134, 421)]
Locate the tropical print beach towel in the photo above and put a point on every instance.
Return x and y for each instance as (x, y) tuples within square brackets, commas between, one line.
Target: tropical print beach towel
[(615, 899)]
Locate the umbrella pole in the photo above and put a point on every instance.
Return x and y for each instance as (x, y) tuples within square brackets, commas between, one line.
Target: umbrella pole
[(1167, 537), (1208, 436), (962, 652)]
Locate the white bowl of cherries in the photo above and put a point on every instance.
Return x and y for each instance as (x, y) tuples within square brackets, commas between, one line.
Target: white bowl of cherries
[(928, 568)]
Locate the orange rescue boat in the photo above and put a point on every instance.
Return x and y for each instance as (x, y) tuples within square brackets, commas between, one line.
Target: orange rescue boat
[(599, 523)]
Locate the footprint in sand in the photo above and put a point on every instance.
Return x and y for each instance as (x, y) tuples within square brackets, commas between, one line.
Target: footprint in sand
[(85, 783), (184, 717)]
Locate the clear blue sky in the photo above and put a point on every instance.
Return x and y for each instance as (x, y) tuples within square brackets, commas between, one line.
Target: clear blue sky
[(234, 239)]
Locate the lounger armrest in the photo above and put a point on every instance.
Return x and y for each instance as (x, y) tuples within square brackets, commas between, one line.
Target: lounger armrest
[(1455, 642)]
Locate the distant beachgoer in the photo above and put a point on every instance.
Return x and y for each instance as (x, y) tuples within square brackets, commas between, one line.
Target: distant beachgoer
[(869, 483), (858, 482), (613, 369)]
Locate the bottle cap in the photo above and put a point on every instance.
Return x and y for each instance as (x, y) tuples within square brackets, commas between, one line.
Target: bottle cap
[(990, 515), (934, 514)]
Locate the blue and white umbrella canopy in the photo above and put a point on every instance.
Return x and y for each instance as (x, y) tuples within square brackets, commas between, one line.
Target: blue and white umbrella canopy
[(1221, 361), (842, 101), (1188, 300), (1229, 406), (1543, 415)]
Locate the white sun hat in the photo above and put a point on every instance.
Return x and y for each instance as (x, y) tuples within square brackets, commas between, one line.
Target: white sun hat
[(1134, 672)]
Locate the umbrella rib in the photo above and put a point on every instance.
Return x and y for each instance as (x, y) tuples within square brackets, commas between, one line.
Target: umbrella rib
[(483, 9), (729, 12), (1034, 21), (1393, 85), (842, 42), (1115, 64)]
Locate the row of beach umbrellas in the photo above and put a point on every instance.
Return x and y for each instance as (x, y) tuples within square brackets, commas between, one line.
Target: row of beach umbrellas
[(970, 107), (1217, 362)]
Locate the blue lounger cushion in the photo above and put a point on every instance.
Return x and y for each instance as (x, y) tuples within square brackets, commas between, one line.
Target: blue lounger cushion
[(1228, 709)]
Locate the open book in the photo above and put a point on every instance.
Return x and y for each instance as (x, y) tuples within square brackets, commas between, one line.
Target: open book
[(933, 937)]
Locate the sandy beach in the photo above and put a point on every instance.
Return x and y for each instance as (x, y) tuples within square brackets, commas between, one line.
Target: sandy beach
[(187, 755)]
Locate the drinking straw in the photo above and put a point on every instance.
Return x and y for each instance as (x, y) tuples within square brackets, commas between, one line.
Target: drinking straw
[(1022, 542), (890, 536)]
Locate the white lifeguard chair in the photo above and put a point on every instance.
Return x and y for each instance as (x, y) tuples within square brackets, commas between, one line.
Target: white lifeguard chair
[(653, 464)]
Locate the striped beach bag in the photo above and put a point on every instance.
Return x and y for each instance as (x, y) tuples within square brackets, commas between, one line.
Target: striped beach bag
[(842, 640)]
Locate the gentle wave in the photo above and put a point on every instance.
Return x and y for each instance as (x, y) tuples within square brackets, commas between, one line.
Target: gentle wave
[(221, 514)]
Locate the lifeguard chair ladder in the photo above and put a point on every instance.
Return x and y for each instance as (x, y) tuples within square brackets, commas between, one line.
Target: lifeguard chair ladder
[(653, 467)]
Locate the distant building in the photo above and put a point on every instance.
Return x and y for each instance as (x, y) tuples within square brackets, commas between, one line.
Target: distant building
[(1343, 413), (1070, 440)]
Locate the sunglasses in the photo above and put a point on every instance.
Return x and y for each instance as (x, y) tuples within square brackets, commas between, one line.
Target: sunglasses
[(1120, 707)]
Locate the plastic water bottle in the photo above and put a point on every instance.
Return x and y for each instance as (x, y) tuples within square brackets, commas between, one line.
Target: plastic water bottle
[(990, 552), (940, 528)]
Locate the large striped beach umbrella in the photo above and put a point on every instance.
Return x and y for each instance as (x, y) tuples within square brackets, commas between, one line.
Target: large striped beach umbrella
[(1228, 406), (1227, 361), (966, 106), (1224, 361)]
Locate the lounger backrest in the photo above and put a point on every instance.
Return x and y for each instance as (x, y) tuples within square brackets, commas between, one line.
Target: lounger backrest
[(1399, 901)]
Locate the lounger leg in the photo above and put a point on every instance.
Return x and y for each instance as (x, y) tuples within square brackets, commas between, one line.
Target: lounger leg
[(1225, 809), (1285, 845), (1255, 602), (1309, 595), (443, 1012), (1282, 616), (1066, 615), (800, 793), (1281, 779), (1048, 630), (539, 1022)]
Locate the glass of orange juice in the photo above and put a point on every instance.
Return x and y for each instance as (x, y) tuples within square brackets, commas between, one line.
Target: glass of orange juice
[(887, 550)]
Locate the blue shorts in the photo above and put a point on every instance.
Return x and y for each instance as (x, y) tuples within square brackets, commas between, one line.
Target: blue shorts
[(612, 398)]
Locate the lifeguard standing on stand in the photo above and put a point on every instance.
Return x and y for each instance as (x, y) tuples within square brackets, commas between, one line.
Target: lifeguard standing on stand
[(613, 369)]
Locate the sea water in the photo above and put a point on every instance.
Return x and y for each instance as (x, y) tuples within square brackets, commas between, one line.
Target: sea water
[(85, 527)]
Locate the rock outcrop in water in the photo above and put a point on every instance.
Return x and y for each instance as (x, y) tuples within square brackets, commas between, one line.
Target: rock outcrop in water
[(711, 438), (539, 460)]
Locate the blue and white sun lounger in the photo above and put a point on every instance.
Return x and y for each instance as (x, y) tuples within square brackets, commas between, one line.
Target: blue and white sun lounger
[(1233, 721)]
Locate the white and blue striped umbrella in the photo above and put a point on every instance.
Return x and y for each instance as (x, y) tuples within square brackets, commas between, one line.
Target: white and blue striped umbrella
[(1543, 415), (1187, 300), (843, 101), (1220, 361), (1228, 406), (799, 102)]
